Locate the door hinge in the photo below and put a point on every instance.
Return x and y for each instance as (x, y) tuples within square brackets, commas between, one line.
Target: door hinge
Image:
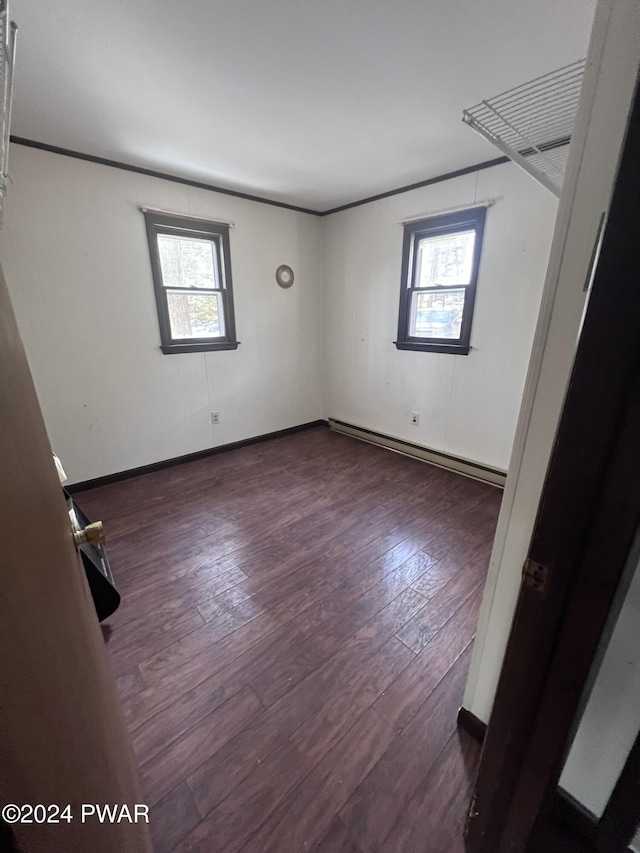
[(535, 575)]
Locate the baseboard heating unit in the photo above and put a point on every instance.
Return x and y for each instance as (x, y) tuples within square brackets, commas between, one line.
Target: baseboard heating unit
[(494, 476)]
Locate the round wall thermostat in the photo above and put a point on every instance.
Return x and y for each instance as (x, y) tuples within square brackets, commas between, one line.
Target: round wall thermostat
[(284, 275)]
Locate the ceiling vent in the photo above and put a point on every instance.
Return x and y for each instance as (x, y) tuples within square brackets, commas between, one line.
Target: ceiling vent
[(532, 124)]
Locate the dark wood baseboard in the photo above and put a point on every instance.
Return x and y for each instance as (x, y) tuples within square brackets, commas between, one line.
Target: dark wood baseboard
[(574, 815), (472, 725), (84, 485), (582, 822)]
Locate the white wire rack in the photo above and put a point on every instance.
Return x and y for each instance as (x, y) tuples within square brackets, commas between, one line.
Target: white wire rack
[(532, 124), (8, 31)]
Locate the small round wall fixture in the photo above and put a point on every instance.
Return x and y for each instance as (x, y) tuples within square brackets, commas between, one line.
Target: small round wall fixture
[(284, 275)]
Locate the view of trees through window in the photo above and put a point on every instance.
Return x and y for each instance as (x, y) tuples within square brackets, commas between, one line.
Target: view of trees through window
[(445, 259), (192, 280), (194, 315), (190, 264), (440, 262)]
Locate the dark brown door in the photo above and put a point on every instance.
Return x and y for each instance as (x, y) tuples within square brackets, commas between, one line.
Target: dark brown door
[(587, 520)]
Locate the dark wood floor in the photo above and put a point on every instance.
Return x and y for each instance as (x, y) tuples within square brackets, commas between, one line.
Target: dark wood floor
[(293, 642)]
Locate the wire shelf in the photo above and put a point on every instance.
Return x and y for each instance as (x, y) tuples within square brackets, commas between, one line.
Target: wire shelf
[(532, 123), (7, 60)]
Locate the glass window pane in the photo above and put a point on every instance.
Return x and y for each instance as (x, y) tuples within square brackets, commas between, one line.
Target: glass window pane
[(436, 315), (445, 260), (187, 262), (196, 315)]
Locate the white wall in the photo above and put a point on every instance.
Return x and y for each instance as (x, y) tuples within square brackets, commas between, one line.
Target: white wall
[(468, 405), (607, 92), (611, 719), (75, 255)]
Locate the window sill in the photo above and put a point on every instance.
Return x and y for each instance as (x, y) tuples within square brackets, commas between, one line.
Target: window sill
[(170, 349), (415, 346)]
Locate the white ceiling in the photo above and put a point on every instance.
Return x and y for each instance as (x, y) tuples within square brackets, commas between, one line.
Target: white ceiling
[(312, 102)]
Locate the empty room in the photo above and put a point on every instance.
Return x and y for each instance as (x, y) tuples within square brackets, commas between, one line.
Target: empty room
[(292, 296)]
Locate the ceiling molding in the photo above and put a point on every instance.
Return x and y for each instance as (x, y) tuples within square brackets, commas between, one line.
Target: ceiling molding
[(152, 173), (467, 170), (165, 176)]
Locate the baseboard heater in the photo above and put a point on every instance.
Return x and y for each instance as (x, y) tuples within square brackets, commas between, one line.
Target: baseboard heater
[(494, 476)]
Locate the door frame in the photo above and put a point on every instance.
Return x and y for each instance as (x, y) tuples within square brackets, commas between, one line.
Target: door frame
[(587, 520)]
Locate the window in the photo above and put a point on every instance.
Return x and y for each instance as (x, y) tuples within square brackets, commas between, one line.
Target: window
[(440, 259), (191, 266)]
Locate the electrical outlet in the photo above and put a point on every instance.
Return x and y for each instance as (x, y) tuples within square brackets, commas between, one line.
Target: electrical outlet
[(415, 418), (215, 417)]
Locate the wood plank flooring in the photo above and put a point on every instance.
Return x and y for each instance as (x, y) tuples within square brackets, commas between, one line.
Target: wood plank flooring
[(293, 642)]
